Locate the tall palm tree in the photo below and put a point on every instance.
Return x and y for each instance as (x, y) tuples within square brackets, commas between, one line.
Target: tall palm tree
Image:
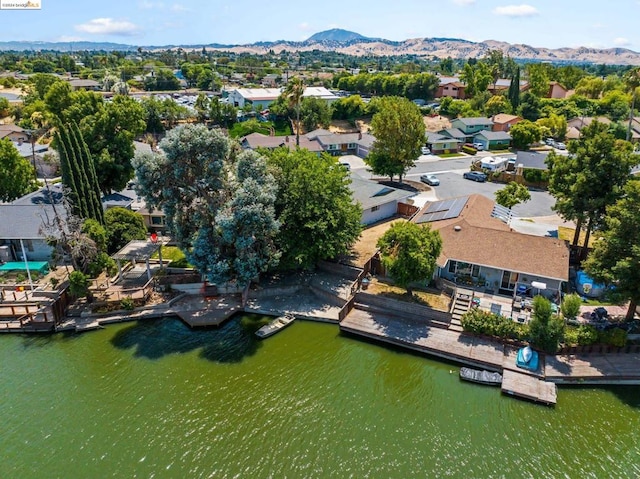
[(293, 93), (633, 81)]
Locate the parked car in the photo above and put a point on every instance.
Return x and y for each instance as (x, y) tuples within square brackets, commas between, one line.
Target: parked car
[(425, 151), (475, 176), (431, 180), (478, 146), (549, 141), (560, 146), (345, 165)]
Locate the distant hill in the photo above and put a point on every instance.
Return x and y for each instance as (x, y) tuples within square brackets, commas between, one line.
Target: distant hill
[(352, 43), (335, 35)]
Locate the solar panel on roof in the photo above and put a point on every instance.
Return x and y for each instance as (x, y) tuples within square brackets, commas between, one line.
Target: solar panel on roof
[(456, 208), (444, 210)]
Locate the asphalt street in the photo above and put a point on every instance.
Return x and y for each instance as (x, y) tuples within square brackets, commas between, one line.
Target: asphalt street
[(452, 184)]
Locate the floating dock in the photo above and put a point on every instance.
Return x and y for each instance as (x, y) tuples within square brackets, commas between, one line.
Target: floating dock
[(529, 387)]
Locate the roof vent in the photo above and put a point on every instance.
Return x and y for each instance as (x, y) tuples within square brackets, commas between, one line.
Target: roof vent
[(457, 228)]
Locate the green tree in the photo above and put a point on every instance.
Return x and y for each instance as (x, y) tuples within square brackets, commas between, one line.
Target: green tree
[(591, 178), (314, 206), (524, 133), (400, 132), (545, 328), (514, 90), (512, 194), (590, 87), (530, 108), (570, 306), (315, 113), (476, 77), (5, 107), (496, 104), (538, 79), (293, 93), (349, 108), (16, 173), (409, 252), (554, 126), (123, 225), (78, 284), (615, 104), (632, 80), (217, 202), (615, 259)]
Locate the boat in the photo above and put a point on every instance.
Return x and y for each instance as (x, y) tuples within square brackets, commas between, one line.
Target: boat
[(527, 358), (276, 325), (481, 377)]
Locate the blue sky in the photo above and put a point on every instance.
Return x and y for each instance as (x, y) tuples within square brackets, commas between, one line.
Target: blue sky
[(540, 23)]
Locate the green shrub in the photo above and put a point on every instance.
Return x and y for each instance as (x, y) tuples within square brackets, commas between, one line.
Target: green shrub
[(483, 322), (535, 176), (20, 277), (127, 303), (614, 337), (570, 306), (582, 335), (469, 150)]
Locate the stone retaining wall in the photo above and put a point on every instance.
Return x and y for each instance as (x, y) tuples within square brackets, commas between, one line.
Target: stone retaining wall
[(392, 306)]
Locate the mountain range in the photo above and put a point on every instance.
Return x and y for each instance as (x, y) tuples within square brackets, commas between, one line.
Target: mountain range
[(351, 43)]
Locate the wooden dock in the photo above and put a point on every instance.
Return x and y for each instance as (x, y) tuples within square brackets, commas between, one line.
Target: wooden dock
[(520, 384), (203, 312), (469, 350)]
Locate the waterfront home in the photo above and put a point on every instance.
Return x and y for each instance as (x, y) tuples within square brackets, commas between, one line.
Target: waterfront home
[(480, 250), (24, 225)]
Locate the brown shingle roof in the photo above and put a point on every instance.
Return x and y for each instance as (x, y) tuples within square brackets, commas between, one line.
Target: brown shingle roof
[(487, 241)]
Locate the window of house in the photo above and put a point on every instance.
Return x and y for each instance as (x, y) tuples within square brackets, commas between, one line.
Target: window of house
[(156, 220), (351, 146), (375, 208), (28, 244), (452, 266)]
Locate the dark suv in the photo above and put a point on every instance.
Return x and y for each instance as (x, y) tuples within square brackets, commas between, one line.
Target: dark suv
[(475, 176)]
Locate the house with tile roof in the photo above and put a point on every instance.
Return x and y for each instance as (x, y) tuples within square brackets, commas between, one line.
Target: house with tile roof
[(480, 248), (14, 133), (504, 121)]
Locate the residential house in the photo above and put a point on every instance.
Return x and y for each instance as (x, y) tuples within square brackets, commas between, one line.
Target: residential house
[(471, 126), (480, 249), (14, 133), (378, 202), (271, 80), (451, 87), (582, 121), (439, 144), (338, 144), (82, 84), (556, 90), (504, 121), (502, 85), (44, 158), (258, 140), (26, 223), (454, 133), (493, 140), (261, 98), (531, 160)]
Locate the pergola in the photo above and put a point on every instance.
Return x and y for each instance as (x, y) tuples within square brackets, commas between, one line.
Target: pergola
[(136, 251)]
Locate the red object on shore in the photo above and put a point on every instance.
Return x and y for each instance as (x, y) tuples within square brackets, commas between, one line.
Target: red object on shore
[(154, 238)]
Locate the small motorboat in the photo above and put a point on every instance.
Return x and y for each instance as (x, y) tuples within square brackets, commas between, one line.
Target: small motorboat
[(276, 325), (527, 359), (481, 376)]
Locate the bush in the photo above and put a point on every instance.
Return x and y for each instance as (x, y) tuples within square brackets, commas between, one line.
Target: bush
[(127, 303), (570, 306), (469, 150), (483, 322), (582, 335), (614, 337), (20, 277), (535, 176)]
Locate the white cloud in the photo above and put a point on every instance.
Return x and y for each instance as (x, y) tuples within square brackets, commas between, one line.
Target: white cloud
[(108, 26), (621, 42), (463, 2), (147, 5), (178, 7), (516, 10), (305, 27)]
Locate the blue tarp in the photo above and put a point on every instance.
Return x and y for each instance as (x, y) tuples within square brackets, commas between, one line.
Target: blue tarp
[(39, 266)]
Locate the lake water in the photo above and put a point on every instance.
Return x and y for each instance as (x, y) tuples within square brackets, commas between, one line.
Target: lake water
[(155, 399)]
